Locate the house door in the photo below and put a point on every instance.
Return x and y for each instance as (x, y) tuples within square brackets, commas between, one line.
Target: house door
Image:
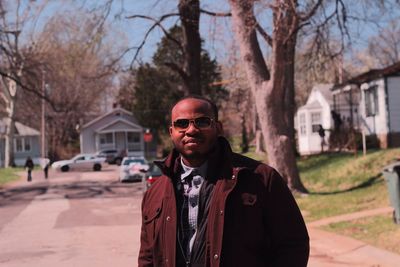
[(120, 141)]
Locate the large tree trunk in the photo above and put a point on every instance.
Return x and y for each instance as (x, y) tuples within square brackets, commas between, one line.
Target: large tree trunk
[(268, 90), (189, 11)]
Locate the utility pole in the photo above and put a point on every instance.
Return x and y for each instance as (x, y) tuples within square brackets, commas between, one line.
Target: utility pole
[(43, 126)]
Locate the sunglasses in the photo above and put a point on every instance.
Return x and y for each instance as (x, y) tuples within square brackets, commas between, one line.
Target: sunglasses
[(199, 123)]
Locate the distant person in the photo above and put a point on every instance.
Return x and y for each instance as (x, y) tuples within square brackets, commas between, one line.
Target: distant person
[(45, 163), (29, 167), (337, 121), (213, 207), (321, 133)]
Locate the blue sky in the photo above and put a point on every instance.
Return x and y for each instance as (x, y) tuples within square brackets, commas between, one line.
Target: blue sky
[(216, 32)]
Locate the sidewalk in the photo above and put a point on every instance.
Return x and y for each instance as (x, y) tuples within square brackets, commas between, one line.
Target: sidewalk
[(332, 250)]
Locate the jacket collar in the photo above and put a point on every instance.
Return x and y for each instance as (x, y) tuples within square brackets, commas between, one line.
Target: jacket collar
[(219, 161)]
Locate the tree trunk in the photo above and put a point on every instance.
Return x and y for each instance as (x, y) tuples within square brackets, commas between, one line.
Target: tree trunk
[(189, 11), (268, 90), (9, 93)]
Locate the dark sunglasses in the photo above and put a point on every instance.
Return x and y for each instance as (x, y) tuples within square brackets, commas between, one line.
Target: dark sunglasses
[(199, 123)]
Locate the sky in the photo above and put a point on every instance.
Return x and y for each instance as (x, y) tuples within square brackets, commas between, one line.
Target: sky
[(216, 32)]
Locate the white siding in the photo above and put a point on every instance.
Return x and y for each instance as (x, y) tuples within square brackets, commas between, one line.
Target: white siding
[(393, 89)]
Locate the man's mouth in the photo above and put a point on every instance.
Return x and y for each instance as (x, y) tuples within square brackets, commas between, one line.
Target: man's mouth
[(191, 141)]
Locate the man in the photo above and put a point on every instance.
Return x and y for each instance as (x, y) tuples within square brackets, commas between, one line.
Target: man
[(29, 167), (213, 207)]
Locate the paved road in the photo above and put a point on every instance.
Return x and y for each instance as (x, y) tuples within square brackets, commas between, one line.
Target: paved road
[(72, 219), (90, 219)]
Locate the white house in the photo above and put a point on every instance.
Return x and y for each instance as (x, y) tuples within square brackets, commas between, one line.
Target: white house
[(117, 129), (26, 143), (316, 112), (371, 102)]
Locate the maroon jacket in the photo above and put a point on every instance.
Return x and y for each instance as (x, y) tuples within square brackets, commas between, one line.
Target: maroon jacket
[(253, 218)]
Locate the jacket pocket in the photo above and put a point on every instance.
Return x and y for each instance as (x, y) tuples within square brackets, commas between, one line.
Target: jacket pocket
[(150, 216)]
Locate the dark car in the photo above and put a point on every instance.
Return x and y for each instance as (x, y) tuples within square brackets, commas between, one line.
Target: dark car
[(112, 156), (152, 174)]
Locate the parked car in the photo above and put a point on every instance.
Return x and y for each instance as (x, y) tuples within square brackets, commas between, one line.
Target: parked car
[(79, 162), (152, 175), (112, 156), (133, 169)]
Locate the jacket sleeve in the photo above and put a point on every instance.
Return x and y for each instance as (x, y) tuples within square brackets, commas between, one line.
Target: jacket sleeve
[(145, 253), (285, 224)]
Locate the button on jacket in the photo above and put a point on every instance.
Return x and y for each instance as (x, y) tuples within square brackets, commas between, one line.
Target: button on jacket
[(253, 219)]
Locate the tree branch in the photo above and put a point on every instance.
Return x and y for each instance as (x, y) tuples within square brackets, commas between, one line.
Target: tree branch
[(215, 14), (264, 34), (156, 23)]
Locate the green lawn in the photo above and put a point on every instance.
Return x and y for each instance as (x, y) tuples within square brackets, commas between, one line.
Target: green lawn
[(378, 231), (344, 183), (8, 175)]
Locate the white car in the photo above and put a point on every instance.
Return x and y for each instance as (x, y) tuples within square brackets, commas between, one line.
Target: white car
[(133, 169), (81, 162)]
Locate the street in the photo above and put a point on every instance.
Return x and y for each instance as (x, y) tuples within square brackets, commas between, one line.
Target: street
[(90, 219), (72, 219)]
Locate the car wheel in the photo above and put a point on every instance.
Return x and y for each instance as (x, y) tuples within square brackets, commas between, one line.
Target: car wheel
[(97, 167), (118, 161), (65, 168)]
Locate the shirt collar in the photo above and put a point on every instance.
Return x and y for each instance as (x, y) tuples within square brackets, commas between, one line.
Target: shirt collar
[(186, 170)]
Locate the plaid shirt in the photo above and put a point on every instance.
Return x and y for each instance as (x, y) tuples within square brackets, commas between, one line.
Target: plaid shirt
[(192, 179)]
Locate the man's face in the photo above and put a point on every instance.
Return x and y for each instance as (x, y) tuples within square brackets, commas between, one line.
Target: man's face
[(194, 142)]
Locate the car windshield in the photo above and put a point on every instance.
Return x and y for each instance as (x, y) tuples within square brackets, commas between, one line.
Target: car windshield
[(138, 161), (78, 157)]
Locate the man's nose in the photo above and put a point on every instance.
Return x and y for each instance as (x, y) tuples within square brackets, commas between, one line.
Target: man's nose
[(192, 128)]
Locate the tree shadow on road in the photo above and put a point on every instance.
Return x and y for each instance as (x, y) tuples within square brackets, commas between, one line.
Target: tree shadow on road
[(76, 190)]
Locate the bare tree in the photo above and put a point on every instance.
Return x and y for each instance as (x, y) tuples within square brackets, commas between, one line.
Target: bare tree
[(12, 67), (78, 68)]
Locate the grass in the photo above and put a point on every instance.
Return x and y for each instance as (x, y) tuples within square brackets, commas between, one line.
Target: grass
[(344, 183), (8, 175), (379, 231)]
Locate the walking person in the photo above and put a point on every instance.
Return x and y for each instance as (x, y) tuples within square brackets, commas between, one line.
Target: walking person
[(321, 133), (29, 167), (45, 163), (213, 207)]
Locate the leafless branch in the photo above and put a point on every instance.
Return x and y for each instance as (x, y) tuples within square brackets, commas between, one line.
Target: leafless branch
[(215, 14), (157, 23), (264, 34)]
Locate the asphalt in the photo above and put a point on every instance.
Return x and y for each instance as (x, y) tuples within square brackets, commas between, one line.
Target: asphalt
[(327, 249)]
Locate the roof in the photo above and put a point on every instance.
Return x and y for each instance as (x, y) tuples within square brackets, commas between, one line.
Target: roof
[(312, 105), (21, 129), (373, 74), (116, 110), (325, 89)]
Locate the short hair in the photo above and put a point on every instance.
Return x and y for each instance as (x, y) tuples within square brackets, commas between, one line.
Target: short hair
[(199, 97)]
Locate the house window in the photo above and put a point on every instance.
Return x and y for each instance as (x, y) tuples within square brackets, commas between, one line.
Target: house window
[(22, 144), (133, 137), (371, 101), (133, 141), (107, 138), (315, 121), (302, 123)]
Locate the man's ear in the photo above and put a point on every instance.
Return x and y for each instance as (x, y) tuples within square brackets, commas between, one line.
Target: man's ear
[(170, 130), (220, 129)]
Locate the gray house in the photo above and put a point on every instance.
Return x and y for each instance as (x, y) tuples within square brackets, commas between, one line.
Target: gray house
[(117, 129), (26, 143)]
